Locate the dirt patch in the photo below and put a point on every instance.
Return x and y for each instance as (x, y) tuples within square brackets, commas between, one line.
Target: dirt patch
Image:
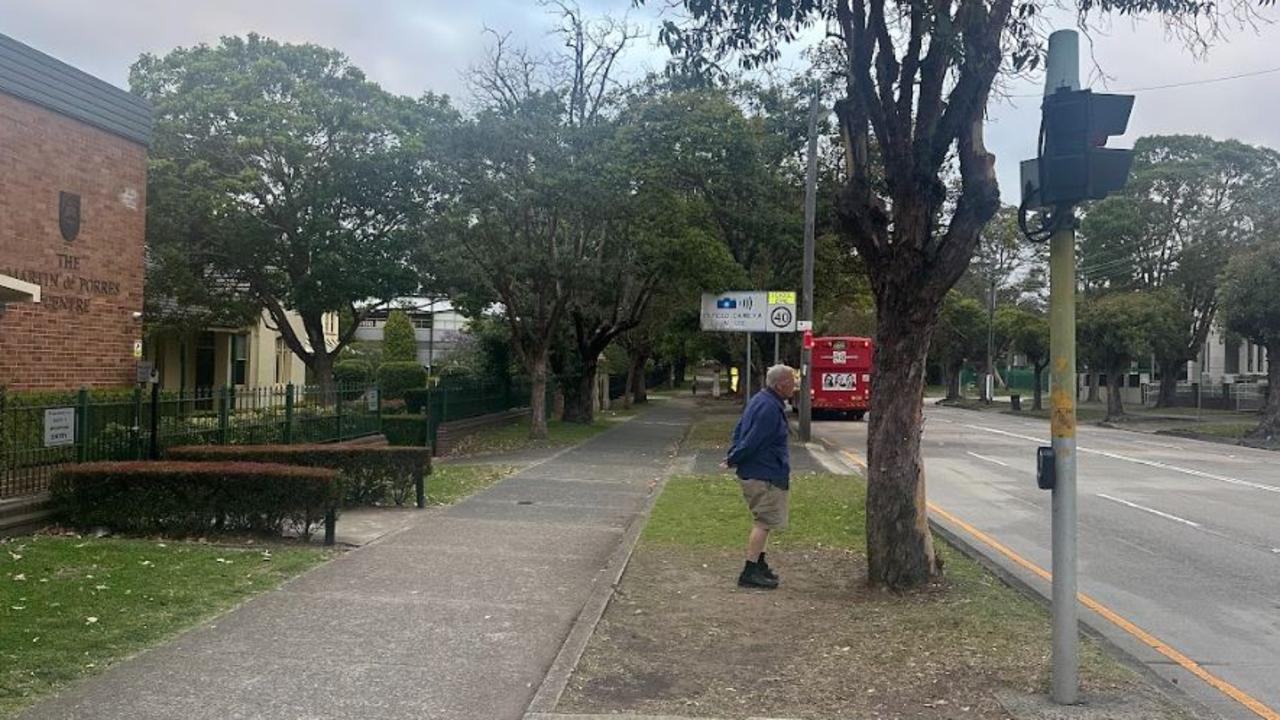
[(681, 638)]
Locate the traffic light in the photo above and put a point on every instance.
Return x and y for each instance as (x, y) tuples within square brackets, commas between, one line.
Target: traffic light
[(1074, 165)]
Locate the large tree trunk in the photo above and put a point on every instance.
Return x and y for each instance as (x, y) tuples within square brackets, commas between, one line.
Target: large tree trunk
[(1269, 428), (580, 395), (1168, 383), (627, 398), (538, 396), (953, 381), (1037, 402), (899, 544), (1093, 387), (637, 389), (321, 364), (1115, 401)]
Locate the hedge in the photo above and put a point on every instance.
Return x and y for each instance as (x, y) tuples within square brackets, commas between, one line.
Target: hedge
[(352, 371), (405, 430), (371, 474), (417, 400), (396, 377), (191, 497)]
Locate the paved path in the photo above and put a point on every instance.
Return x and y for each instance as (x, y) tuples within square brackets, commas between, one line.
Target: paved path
[(1181, 538), (458, 615)]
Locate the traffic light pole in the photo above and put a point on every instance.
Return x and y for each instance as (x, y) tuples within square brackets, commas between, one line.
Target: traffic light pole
[(1063, 70), (806, 309)]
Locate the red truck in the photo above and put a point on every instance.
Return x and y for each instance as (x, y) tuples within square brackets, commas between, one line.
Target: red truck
[(842, 368)]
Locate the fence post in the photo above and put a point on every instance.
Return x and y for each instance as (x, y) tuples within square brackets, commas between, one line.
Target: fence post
[(82, 425), (155, 420), (135, 451), (337, 408), (288, 414), (224, 413)]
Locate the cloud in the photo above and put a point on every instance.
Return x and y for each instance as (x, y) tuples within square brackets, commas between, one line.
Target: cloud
[(410, 46)]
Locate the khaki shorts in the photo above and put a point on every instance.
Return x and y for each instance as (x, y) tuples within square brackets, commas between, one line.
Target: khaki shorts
[(768, 503)]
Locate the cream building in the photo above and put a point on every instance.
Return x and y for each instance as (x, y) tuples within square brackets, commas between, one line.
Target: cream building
[(254, 356)]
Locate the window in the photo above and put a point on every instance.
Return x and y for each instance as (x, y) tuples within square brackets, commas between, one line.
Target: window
[(239, 359), (284, 362), (369, 323), (422, 323)]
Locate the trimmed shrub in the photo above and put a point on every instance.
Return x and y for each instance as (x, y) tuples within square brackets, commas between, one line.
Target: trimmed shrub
[(417, 400), (405, 430), (371, 474), (398, 341), (190, 497), (396, 377), (352, 371)]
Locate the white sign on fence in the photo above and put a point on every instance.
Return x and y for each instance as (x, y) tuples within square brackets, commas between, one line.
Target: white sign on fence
[(59, 427), (752, 311)]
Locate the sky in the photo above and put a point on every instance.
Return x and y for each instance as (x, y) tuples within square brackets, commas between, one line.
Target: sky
[(411, 46)]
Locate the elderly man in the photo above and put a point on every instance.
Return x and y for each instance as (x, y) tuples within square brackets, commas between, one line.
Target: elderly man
[(759, 455)]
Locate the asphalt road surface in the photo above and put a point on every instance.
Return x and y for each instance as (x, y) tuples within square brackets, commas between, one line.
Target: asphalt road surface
[(1180, 538)]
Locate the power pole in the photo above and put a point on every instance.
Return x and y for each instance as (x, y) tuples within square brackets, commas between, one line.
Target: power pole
[(1063, 70), (990, 386), (806, 309)]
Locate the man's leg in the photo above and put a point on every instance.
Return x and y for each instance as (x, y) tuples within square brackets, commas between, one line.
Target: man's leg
[(756, 541)]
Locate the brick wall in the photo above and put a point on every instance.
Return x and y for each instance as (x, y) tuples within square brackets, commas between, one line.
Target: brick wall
[(83, 331)]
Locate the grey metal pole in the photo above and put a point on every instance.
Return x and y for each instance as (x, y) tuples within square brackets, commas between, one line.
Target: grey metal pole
[(746, 376), (1063, 70), (989, 386), (806, 309), (777, 341)]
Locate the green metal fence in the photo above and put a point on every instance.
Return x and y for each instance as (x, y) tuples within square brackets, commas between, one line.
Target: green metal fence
[(1018, 380), (41, 431), (460, 400)]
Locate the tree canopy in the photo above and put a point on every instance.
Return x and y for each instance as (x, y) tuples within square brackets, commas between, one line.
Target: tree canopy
[(302, 183)]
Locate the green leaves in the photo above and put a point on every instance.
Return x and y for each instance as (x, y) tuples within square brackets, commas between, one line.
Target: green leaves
[(280, 170), (1250, 287)]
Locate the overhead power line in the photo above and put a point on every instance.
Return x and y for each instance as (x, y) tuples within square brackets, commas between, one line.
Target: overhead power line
[(1188, 83)]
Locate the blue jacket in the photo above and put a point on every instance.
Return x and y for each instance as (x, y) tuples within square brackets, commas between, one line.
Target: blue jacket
[(759, 449)]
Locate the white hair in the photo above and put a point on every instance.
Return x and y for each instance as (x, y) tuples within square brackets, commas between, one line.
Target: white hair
[(774, 377)]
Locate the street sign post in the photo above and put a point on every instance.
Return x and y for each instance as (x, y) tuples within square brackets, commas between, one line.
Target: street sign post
[(751, 311)]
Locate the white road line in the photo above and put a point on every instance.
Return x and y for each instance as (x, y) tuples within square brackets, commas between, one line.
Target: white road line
[(1141, 461), (988, 459), (1157, 444), (1153, 511)]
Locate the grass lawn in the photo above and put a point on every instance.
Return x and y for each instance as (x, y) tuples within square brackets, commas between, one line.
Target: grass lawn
[(71, 606), (1233, 431), (711, 432), (509, 438), (448, 484), (682, 639)]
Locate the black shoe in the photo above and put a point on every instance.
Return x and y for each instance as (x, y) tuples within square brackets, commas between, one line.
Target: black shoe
[(764, 567), (753, 576)]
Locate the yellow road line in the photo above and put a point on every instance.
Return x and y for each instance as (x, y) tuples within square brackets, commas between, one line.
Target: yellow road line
[(1145, 637), (855, 458), (1151, 641)]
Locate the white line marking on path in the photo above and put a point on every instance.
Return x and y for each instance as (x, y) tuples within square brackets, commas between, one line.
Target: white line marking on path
[(988, 459), (1153, 511), (1140, 461)]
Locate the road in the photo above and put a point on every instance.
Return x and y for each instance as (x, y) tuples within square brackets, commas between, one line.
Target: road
[(1180, 538)]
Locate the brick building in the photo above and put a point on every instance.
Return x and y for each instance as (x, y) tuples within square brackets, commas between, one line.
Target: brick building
[(73, 162)]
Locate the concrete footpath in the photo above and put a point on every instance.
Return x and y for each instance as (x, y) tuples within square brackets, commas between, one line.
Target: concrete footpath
[(458, 615)]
